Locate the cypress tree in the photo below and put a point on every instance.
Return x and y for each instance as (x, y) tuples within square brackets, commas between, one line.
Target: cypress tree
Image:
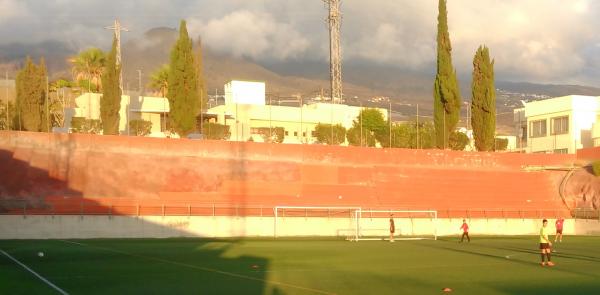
[(446, 91), (110, 104), (483, 107), (183, 91), (30, 100), (202, 92), (42, 77)]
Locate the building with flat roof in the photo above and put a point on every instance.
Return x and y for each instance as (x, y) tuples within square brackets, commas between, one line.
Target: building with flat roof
[(153, 109), (559, 125), (246, 112)]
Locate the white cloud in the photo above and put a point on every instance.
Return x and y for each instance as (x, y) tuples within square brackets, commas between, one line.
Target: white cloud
[(250, 34), (386, 45), (10, 9), (537, 40), (528, 40)]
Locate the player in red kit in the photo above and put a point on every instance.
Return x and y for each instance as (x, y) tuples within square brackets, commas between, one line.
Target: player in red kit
[(559, 229), (465, 228)]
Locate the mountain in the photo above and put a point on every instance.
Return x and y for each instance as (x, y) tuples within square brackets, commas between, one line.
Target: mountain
[(362, 80), (153, 49), (13, 55)]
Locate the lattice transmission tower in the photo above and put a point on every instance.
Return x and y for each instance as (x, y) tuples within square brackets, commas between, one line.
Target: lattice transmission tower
[(335, 49)]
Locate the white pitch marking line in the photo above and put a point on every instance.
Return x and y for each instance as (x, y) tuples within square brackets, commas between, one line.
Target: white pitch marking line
[(518, 254), (61, 291), (205, 269), (71, 242)]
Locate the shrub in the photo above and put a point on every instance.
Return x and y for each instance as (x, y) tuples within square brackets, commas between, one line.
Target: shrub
[(332, 135), (140, 127), (501, 144), (83, 125), (458, 141), (596, 168), (215, 131)]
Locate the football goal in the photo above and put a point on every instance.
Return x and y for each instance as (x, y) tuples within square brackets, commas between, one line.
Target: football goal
[(314, 221), (409, 225)]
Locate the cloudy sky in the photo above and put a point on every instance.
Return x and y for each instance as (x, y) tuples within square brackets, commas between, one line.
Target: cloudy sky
[(553, 41)]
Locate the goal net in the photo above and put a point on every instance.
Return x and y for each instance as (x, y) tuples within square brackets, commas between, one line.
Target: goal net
[(409, 225), (299, 221)]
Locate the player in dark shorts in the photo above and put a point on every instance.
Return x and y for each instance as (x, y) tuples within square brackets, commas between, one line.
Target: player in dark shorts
[(545, 244), (392, 228), (559, 229)]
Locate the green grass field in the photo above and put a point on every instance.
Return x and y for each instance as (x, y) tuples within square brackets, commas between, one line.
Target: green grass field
[(300, 266)]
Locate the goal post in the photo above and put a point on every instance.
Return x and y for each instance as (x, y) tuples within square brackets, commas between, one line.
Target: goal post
[(409, 224), (314, 221)]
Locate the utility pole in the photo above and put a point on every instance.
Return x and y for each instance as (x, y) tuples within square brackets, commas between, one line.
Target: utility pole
[(270, 118), (301, 121), (361, 125), (390, 119), (331, 122), (335, 49), (7, 116), (117, 28), (47, 106), (140, 82), (418, 142)]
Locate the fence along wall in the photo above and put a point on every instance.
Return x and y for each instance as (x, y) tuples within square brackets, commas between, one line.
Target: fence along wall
[(61, 171), (85, 227)]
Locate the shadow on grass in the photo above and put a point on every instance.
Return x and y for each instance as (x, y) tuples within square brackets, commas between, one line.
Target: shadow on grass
[(149, 266), (143, 266)]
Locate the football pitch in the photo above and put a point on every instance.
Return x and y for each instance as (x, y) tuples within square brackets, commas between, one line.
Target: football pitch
[(487, 265)]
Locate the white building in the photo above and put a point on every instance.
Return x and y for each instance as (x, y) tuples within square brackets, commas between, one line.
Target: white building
[(153, 109), (596, 134), (558, 125), (245, 112), (245, 92)]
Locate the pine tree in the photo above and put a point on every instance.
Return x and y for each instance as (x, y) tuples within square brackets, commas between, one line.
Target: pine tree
[(30, 101), (110, 104), (446, 91), (483, 107), (183, 94)]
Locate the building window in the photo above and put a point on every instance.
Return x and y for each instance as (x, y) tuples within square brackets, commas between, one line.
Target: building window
[(295, 133), (560, 125), (287, 133), (561, 151), (303, 134), (538, 128)]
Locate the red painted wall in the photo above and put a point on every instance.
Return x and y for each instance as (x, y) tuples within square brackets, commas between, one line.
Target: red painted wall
[(589, 154), (112, 170)]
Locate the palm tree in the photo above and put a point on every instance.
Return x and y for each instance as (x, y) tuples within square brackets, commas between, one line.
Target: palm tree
[(159, 80), (89, 65)]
